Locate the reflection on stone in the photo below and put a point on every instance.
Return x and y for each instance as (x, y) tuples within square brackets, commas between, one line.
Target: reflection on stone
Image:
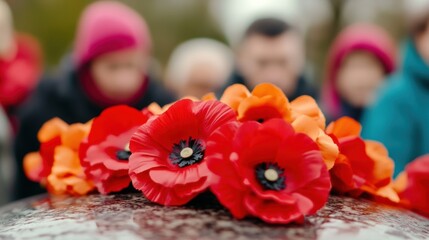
[(130, 216)]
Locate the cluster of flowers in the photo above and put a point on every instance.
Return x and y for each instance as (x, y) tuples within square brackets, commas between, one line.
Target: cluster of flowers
[(258, 153)]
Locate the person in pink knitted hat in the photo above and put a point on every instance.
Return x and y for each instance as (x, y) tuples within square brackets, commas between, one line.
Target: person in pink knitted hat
[(109, 65), (359, 60)]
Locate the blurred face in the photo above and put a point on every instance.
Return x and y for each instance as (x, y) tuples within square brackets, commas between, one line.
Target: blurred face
[(119, 75), (201, 79), (278, 60), (359, 77)]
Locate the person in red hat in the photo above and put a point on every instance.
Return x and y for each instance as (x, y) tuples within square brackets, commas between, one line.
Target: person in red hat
[(20, 64), (110, 66), (359, 61)]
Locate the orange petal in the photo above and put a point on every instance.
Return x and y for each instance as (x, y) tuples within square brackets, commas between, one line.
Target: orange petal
[(155, 108), (209, 96), (267, 107), (66, 162), (306, 125), (55, 185), (329, 149), (383, 165), (268, 89), (78, 186), (400, 183), (33, 166), (344, 127), (68, 185), (308, 106), (67, 176), (234, 94), (385, 193), (74, 135), (51, 129)]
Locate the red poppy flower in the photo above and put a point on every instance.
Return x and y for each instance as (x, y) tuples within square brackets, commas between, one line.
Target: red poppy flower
[(168, 153), (412, 185), (104, 154), (362, 166), (267, 171)]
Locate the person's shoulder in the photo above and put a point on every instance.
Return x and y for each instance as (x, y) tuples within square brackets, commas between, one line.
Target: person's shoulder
[(394, 88)]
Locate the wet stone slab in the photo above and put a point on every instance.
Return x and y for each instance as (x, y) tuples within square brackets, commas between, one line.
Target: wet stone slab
[(130, 216)]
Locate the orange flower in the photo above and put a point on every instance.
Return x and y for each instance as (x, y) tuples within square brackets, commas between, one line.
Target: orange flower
[(362, 166), (57, 164), (306, 105), (265, 102), (268, 101), (67, 176), (234, 95)]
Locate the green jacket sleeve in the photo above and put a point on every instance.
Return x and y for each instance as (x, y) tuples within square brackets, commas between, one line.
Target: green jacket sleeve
[(390, 121)]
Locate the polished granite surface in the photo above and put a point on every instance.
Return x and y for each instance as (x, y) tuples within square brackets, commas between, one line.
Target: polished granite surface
[(130, 216)]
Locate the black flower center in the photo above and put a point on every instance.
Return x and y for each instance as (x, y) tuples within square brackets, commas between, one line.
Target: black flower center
[(260, 120), (124, 154), (270, 176), (187, 152)]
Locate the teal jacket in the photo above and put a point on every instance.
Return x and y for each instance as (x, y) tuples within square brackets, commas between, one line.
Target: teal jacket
[(400, 116)]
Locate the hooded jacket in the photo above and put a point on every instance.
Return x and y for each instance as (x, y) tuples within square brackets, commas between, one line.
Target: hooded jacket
[(72, 95), (400, 116), (359, 37)]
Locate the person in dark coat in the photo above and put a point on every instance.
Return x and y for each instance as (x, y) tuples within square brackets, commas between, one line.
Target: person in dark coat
[(109, 67), (272, 51)]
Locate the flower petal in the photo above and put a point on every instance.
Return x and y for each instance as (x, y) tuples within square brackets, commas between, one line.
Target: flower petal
[(271, 211), (51, 129), (234, 94), (344, 127), (306, 105)]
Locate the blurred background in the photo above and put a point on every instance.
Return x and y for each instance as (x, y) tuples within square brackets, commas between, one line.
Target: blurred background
[(171, 22)]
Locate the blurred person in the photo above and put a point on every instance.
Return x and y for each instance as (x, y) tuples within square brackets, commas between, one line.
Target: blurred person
[(399, 118), (6, 161), (234, 16), (272, 51), (20, 64), (109, 66), (360, 58), (198, 66)]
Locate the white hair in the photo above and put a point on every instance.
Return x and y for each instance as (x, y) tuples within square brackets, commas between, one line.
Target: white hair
[(235, 16), (195, 51)]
